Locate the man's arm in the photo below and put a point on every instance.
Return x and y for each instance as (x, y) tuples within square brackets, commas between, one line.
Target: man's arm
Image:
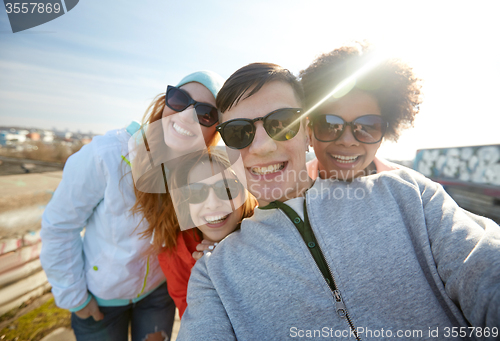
[(466, 249), (205, 317)]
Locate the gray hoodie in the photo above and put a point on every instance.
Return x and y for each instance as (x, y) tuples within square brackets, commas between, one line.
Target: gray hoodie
[(408, 262)]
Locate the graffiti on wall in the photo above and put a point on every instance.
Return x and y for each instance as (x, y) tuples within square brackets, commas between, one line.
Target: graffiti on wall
[(480, 164)]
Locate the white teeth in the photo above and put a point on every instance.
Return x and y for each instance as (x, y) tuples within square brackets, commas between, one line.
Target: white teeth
[(182, 131), (216, 218), (345, 159), (269, 169)]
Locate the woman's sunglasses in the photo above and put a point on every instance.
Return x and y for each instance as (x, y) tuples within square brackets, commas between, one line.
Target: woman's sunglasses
[(226, 189), (178, 100), (365, 129), (280, 125)]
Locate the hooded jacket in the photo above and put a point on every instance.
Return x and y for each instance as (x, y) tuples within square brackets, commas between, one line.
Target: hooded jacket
[(110, 261), (405, 259)]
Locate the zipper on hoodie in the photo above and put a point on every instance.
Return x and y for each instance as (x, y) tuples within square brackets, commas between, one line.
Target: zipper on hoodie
[(337, 296), (339, 302), (340, 306)]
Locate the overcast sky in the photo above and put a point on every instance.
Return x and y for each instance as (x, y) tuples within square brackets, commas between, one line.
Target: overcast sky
[(98, 66)]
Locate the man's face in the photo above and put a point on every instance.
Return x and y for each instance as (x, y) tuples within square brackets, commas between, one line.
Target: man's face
[(275, 170)]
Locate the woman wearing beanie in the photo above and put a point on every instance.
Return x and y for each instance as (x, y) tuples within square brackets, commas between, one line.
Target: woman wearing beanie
[(109, 279)]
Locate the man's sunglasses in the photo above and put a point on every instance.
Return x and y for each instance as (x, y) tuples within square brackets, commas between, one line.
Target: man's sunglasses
[(281, 125), (178, 100), (226, 189), (365, 129)]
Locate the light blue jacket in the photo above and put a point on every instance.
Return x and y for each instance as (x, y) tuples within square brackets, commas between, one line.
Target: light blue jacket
[(404, 256), (110, 261)]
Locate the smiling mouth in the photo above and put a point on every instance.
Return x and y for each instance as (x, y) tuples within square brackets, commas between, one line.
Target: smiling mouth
[(215, 219), (182, 131), (345, 159), (268, 169)]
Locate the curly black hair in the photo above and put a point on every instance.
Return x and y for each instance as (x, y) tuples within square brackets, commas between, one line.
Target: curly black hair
[(392, 82)]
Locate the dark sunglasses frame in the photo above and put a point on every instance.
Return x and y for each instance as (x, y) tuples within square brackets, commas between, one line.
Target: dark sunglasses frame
[(220, 127), (214, 115), (222, 191), (384, 125)]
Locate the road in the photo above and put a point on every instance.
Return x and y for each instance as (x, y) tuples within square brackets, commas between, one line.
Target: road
[(11, 166)]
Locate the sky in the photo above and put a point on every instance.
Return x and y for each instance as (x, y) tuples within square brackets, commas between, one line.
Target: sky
[(99, 66)]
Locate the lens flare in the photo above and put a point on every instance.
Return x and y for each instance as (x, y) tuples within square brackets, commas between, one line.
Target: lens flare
[(343, 87)]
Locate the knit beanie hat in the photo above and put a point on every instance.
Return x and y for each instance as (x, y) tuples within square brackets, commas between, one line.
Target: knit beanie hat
[(209, 79)]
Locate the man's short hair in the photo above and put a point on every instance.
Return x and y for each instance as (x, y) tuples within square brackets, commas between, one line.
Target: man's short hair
[(254, 76)]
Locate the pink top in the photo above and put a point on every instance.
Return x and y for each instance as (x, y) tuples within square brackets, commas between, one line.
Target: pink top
[(381, 165)]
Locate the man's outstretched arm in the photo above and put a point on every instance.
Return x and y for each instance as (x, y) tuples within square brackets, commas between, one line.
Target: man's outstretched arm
[(466, 249), (205, 317)]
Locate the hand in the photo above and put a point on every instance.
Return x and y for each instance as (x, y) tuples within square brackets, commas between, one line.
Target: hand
[(91, 309), (205, 245)]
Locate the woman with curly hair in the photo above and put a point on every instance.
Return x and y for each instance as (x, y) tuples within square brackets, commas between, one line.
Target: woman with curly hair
[(378, 103)]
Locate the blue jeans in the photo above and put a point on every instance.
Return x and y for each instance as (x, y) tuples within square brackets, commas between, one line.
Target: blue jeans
[(152, 314)]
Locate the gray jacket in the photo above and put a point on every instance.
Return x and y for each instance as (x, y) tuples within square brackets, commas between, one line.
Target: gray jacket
[(409, 264)]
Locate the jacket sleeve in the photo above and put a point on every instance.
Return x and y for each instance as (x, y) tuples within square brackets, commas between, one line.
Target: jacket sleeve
[(466, 249), (205, 317), (80, 191)]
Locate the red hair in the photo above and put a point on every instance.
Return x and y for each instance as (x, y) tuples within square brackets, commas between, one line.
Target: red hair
[(157, 208)]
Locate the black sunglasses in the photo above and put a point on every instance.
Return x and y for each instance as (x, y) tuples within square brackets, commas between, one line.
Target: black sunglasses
[(365, 129), (280, 125), (178, 100), (226, 189)]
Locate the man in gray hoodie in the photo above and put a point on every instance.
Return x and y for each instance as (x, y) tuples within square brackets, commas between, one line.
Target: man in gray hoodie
[(386, 256)]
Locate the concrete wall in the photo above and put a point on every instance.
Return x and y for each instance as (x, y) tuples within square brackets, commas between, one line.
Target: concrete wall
[(470, 175), (478, 165)]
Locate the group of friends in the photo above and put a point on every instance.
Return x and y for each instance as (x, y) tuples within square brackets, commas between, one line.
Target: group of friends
[(347, 246)]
